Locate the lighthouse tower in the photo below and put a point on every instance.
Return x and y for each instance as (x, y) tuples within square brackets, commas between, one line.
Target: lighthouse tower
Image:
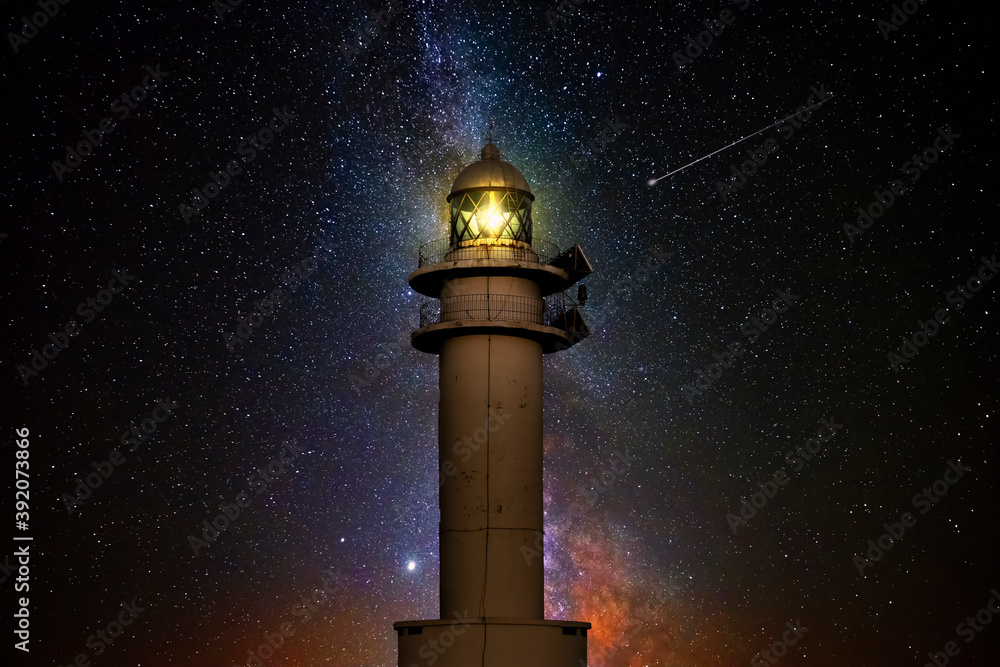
[(497, 305)]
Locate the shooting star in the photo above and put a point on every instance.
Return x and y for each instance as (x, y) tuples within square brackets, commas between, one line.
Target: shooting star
[(653, 181)]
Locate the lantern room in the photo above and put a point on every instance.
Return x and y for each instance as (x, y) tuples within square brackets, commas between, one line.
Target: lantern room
[(490, 203)]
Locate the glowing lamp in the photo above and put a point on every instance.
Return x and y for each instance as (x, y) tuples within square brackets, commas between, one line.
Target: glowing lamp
[(490, 203)]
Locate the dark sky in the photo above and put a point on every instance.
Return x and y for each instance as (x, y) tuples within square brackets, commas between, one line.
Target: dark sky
[(324, 222)]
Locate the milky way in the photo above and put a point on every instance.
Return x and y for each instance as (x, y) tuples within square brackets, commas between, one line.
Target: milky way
[(269, 193)]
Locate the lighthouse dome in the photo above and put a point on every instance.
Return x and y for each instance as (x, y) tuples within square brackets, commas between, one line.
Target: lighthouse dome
[(490, 172)]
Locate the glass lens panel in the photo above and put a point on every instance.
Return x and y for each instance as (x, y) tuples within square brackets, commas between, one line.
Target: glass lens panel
[(491, 214)]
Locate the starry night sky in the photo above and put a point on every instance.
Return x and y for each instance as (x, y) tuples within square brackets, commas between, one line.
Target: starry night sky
[(329, 216)]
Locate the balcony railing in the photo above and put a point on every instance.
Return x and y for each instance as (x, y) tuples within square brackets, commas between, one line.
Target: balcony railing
[(562, 312), (492, 307), (440, 250)]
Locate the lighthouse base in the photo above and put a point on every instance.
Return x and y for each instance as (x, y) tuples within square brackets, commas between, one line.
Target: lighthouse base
[(492, 642)]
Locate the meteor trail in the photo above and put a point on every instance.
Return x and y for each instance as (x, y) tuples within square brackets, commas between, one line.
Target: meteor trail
[(654, 181)]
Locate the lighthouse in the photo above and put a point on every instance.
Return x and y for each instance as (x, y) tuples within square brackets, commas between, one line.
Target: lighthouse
[(497, 303)]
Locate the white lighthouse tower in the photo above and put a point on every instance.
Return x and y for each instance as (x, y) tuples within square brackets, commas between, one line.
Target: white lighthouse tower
[(499, 305)]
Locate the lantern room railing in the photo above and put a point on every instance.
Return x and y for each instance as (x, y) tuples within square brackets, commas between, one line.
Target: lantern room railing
[(441, 250)]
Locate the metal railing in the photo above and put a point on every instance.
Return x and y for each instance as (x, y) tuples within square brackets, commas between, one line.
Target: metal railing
[(489, 307), (441, 250), (562, 312), (556, 310)]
